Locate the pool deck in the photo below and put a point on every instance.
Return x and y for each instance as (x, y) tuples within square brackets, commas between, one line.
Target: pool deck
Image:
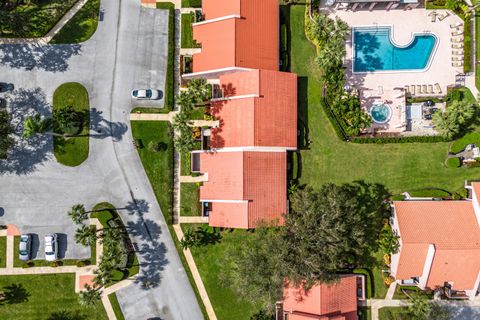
[(395, 99), (405, 24)]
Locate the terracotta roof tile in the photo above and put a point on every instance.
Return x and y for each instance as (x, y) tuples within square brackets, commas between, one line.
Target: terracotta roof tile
[(256, 177), (269, 120), (452, 227), (251, 41), (324, 301)]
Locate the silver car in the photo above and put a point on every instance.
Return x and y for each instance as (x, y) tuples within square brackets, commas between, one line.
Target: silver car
[(51, 247), (24, 247), (146, 94)]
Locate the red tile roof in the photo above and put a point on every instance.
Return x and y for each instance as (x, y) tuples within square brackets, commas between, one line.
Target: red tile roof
[(251, 41), (323, 301), (452, 227), (251, 187), (269, 120)]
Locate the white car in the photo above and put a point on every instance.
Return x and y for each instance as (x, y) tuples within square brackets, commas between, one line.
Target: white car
[(51, 247), (146, 94)]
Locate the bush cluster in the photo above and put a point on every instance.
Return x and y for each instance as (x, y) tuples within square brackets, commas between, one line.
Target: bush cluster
[(454, 162)]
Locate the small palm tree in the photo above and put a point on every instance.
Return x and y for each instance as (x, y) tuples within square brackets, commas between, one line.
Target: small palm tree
[(85, 235), (78, 213), (89, 297), (36, 125), (103, 276), (186, 100), (199, 89)]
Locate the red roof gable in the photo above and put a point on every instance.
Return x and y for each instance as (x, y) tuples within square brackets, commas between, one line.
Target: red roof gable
[(251, 41), (268, 120), (246, 187), (323, 301)]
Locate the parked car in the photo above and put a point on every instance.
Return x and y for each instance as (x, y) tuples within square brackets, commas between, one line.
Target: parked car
[(51, 247), (146, 94), (25, 247), (4, 87)]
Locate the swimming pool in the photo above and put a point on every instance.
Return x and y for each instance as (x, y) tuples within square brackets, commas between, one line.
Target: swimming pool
[(374, 51), (381, 113)]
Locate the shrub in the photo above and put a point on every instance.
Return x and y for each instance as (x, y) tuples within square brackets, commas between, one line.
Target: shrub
[(80, 264), (54, 264), (454, 162), (28, 264), (388, 280)]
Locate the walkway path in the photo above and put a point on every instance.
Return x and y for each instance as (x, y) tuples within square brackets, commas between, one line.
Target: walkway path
[(190, 179), (48, 37), (153, 116)]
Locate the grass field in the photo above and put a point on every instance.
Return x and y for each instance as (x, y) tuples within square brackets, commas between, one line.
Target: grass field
[(393, 313), (116, 306), (190, 199), (72, 151), (3, 252), (82, 26), (33, 19), (399, 166), (45, 297), (187, 31), (210, 260)]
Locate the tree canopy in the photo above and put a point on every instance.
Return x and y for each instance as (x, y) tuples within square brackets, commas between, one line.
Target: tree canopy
[(455, 119), (6, 129)]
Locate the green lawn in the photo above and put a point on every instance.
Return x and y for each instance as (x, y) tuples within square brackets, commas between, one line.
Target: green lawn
[(190, 200), (72, 151), (403, 292), (380, 289), (187, 31), (105, 213), (34, 19), (393, 313), (169, 93), (191, 3), (45, 297), (399, 167), (210, 260), (116, 306), (82, 26), (3, 252)]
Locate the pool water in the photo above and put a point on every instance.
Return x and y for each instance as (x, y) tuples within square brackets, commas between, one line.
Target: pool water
[(381, 113), (373, 51)]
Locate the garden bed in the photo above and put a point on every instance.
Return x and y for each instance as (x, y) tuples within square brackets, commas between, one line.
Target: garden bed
[(72, 151)]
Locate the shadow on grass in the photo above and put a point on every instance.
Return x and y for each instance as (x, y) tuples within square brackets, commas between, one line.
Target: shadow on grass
[(14, 293)]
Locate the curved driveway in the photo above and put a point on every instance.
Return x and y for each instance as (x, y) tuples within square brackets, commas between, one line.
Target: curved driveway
[(128, 50)]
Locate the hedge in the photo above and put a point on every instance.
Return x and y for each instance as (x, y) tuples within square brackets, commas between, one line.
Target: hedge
[(429, 193), (467, 65), (460, 144), (169, 83), (368, 280), (283, 38), (454, 162), (422, 139)]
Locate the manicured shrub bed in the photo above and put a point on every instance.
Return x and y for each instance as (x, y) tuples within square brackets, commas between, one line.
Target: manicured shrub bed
[(454, 162)]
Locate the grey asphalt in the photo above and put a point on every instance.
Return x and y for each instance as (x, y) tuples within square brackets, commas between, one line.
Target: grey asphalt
[(128, 51)]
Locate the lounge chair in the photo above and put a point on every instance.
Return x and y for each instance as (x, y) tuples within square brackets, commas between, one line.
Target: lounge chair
[(412, 90), (457, 40), (455, 58), (430, 89), (424, 88), (443, 16), (434, 17), (438, 89), (457, 46), (419, 89), (456, 25), (457, 52), (457, 64), (407, 89), (457, 33)]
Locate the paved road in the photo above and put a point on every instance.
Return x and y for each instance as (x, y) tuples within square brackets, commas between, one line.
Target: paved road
[(127, 51)]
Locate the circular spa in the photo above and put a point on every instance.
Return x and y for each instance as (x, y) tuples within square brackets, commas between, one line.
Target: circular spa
[(381, 113)]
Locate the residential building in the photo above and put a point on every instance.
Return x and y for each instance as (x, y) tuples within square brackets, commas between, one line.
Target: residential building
[(336, 301), (439, 244), (236, 35), (244, 158)]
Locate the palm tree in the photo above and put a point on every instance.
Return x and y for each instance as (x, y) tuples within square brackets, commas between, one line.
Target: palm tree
[(85, 235), (103, 276), (89, 297), (78, 213), (199, 89), (186, 100), (36, 125)]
